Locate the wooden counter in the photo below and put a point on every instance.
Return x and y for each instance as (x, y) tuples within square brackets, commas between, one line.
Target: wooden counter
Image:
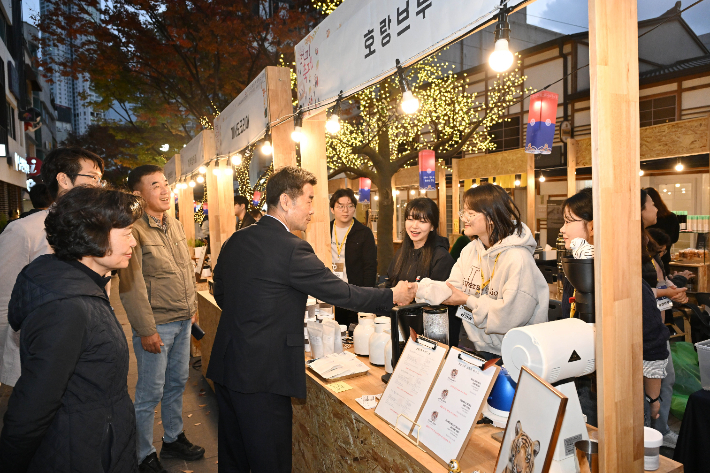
[(698, 268), (333, 433)]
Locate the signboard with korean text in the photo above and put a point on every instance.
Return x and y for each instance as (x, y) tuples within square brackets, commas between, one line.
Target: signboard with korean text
[(244, 120), (170, 170), (357, 45), (192, 155)]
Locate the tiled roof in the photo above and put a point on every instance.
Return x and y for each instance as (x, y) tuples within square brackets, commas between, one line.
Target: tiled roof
[(685, 67)]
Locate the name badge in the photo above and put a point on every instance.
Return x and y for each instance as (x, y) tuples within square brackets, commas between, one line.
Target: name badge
[(664, 303), (339, 269), (464, 313)]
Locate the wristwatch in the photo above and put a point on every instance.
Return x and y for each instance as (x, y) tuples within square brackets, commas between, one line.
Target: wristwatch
[(651, 401)]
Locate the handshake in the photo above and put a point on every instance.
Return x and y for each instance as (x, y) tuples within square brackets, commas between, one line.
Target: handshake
[(404, 292)]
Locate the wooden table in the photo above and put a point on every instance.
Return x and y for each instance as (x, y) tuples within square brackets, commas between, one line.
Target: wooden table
[(698, 268)]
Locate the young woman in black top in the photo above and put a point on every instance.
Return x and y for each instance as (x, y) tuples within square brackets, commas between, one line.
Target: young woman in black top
[(667, 222)]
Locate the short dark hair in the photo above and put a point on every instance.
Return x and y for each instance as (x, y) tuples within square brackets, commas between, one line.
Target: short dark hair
[(256, 213), (66, 160), (135, 176), (340, 193), (580, 204), (241, 200), (660, 237), (40, 197), (287, 180), (80, 222), (500, 210)]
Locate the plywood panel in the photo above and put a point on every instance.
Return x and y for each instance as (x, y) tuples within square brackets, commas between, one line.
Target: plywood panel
[(571, 167), (409, 176), (495, 164), (227, 221), (213, 213), (278, 81)]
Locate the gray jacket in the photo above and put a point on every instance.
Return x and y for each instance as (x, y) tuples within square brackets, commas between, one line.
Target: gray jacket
[(22, 241)]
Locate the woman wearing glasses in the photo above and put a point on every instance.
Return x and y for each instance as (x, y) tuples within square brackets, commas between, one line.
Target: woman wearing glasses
[(495, 283), (353, 249)]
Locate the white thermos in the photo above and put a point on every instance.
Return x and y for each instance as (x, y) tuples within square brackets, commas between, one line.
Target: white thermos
[(378, 340), (361, 334)]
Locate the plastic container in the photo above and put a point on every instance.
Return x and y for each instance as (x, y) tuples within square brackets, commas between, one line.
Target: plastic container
[(704, 362), (378, 341), (652, 441)]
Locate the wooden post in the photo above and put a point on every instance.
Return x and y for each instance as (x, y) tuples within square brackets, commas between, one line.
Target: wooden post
[(171, 210), (441, 179), (225, 189), (278, 83), (455, 196), (572, 147), (313, 159), (394, 210), (614, 73), (531, 193), (214, 216), (187, 215)]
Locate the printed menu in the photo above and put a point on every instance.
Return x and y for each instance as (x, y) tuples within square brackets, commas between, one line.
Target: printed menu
[(452, 408)]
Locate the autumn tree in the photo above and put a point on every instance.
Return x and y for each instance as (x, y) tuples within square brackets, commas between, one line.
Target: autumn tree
[(380, 139)]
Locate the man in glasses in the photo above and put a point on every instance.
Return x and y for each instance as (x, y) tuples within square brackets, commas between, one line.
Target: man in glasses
[(353, 248), (24, 240)]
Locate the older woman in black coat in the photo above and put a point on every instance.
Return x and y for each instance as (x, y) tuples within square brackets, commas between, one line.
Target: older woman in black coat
[(70, 410)]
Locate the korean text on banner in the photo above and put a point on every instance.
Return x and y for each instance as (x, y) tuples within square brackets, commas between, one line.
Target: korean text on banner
[(170, 170), (365, 37), (427, 170), (244, 120), (192, 155)]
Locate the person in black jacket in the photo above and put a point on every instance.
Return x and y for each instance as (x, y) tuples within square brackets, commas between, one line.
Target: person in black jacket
[(70, 410), (262, 279), (241, 210), (667, 222), (353, 249), (424, 253)]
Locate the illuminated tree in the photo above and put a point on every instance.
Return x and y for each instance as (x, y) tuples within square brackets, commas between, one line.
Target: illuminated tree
[(241, 175), (380, 139)]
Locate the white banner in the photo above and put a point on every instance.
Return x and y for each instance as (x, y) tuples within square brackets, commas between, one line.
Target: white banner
[(192, 155), (170, 170), (244, 120), (357, 44)]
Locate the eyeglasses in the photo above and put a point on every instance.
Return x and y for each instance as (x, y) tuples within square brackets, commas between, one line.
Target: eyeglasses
[(467, 215), (348, 208), (98, 182)]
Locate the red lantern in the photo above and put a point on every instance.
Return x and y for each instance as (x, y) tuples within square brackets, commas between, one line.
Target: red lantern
[(427, 170), (364, 192), (541, 123)]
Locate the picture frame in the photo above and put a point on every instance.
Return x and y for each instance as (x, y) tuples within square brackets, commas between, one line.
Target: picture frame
[(533, 426)]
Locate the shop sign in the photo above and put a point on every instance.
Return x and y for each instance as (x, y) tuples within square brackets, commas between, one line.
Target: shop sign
[(35, 166), (358, 44), (192, 155), (19, 163), (244, 120)]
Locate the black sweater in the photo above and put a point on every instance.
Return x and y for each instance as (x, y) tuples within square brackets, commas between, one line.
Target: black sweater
[(655, 333), (668, 224), (439, 269)]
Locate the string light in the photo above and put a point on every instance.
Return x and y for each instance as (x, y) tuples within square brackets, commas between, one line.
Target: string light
[(266, 148), (518, 177), (200, 179), (216, 170), (191, 183), (409, 103), (297, 134), (679, 166), (501, 58), (202, 170), (542, 178), (332, 125), (237, 159), (641, 172)]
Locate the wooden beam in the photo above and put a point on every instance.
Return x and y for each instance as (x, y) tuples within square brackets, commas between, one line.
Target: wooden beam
[(572, 147), (441, 180), (613, 63), (394, 212), (531, 193), (186, 208), (313, 159), (213, 213), (455, 196), (278, 83), (227, 221)]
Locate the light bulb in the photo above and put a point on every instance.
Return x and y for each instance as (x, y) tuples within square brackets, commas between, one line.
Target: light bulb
[(517, 183), (237, 159), (501, 58), (215, 171), (542, 178), (641, 172), (332, 126), (200, 179), (266, 148), (679, 167), (297, 134), (410, 104), (228, 171), (683, 189), (165, 147), (191, 183), (412, 192), (377, 197), (474, 185), (677, 185), (202, 170)]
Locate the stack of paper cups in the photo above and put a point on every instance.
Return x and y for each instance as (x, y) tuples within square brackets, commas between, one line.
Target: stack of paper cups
[(652, 441)]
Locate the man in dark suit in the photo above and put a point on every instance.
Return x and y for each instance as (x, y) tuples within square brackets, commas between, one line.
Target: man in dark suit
[(262, 279), (241, 205), (353, 248)]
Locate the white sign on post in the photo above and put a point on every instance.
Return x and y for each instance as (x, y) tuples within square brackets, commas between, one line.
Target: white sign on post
[(170, 170), (192, 155), (358, 44), (244, 120)]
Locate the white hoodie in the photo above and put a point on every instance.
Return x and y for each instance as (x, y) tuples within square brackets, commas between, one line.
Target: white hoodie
[(517, 294)]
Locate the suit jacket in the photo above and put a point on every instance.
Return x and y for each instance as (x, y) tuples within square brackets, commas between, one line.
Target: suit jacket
[(262, 279), (360, 255), (246, 221)]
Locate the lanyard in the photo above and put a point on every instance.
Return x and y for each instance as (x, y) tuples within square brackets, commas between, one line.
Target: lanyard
[(483, 280), (339, 246)]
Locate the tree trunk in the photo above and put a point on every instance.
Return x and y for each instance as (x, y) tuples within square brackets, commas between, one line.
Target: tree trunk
[(385, 246)]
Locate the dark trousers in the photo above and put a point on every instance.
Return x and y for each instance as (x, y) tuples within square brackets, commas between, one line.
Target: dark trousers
[(254, 432)]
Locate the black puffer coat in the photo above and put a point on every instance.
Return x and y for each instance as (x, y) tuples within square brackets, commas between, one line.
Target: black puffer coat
[(70, 410)]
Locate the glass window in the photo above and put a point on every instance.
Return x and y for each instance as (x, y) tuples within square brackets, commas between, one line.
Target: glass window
[(658, 110), (506, 134)]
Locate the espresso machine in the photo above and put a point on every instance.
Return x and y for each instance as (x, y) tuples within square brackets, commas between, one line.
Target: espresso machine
[(580, 273)]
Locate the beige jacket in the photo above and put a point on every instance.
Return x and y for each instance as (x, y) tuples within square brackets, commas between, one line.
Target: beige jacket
[(158, 286)]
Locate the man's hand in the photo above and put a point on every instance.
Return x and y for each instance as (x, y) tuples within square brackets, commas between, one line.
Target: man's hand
[(458, 297), (192, 320), (678, 295), (152, 343), (403, 293)]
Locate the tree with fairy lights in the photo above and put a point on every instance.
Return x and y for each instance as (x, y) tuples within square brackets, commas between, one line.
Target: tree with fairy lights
[(242, 177), (381, 138)]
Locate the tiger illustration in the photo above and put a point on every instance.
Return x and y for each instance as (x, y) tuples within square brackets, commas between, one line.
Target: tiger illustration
[(522, 452)]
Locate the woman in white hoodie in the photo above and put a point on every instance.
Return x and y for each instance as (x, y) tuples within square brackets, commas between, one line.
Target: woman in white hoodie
[(495, 281)]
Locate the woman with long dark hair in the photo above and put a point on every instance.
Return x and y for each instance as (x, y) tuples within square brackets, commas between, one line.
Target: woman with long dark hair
[(495, 281), (578, 215), (667, 222)]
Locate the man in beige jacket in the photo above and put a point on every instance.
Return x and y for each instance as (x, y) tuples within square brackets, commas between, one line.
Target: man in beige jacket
[(158, 292)]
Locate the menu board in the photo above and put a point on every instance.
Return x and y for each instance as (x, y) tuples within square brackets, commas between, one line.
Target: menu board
[(410, 383), (454, 405)]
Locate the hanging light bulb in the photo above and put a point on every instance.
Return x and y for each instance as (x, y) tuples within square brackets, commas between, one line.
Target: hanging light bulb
[(200, 179), (409, 103), (377, 197), (518, 177), (202, 170), (501, 58), (677, 185), (679, 166), (474, 184), (237, 159), (641, 172), (191, 183), (332, 126), (216, 171), (542, 178), (297, 134), (412, 192), (266, 148), (228, 171)]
